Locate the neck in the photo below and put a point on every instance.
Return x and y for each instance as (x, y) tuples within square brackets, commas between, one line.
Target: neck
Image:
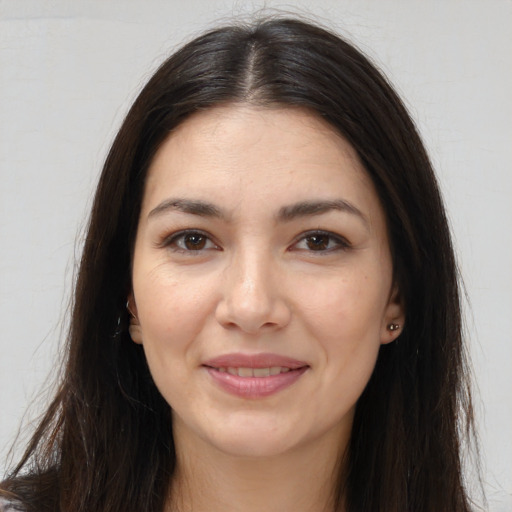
[(209, 480)]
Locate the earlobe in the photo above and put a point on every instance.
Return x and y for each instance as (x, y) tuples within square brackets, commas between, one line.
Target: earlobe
[(134, 328), (135, 333), (394, 319)]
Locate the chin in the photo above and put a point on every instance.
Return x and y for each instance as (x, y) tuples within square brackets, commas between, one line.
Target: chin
[(251, 436), (255, 445)]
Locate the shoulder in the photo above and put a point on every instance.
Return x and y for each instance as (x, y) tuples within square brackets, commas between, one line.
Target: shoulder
[(10, 506)]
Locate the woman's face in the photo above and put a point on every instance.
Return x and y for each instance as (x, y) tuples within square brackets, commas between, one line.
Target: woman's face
[(262, 279)]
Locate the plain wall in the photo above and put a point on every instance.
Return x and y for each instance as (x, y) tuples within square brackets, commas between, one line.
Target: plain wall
[(70, 69)]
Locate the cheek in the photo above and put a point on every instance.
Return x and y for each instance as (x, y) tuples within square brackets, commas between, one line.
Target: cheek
[(344, 316), (171, 309), (344, 308), (347, 334), (171, 315), (168, 328)]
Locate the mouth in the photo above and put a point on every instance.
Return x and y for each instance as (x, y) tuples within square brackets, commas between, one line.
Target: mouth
[(254, 372), (254, 376)]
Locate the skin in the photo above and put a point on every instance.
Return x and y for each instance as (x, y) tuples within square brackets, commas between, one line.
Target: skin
[(256, 281)]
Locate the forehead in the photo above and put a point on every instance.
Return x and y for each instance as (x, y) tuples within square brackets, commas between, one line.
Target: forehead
[(237, 153)]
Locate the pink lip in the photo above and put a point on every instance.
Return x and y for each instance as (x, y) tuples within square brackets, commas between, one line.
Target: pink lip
[(254, 387)]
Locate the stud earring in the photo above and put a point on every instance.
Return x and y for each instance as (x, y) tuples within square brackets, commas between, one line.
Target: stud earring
[(393, 327)]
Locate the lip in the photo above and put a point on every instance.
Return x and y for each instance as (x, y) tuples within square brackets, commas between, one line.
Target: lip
[(254, 387)]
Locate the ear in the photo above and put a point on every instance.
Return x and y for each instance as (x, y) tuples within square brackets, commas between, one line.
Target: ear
[(394, 317), (134, 329)]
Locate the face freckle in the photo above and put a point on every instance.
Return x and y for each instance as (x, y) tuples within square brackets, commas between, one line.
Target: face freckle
[(261, 243)]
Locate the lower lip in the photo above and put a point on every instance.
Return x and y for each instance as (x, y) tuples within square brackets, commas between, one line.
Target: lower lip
[(255, 387)]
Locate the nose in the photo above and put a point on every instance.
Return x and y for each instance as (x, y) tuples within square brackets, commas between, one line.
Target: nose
[(253, 299)]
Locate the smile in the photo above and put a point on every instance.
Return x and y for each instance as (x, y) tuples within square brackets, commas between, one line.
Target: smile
[(254, 376), (254, 372)]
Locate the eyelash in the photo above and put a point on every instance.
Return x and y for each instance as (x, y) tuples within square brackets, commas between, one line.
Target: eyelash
[(173, 241), (341, 244)]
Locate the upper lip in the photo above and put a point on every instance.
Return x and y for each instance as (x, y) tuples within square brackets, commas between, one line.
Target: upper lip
[(264, 360)]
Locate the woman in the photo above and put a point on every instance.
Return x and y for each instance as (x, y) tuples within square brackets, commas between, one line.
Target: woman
[(267, 312)]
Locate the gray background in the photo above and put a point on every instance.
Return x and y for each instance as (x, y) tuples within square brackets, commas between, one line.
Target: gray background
[(70, 69)]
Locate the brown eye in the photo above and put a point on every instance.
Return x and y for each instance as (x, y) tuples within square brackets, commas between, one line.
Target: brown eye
[(318, 242), (194, 241), (321, 242), (189, 241)]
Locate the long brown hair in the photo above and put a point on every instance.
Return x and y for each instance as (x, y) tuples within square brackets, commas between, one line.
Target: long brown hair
[(105, 443)]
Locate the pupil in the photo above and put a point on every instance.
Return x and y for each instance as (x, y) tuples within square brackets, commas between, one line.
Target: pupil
[(318, 242), (195, 242)]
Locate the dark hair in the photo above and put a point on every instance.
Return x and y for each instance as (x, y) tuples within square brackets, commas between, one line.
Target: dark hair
[(104, 443)]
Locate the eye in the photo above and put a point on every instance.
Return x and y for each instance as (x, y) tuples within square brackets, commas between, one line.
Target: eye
[(321, 241), (190, 241)]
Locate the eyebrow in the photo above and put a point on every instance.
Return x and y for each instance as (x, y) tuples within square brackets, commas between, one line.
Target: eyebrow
[(193, 207), (310, 208), (285, 214)]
